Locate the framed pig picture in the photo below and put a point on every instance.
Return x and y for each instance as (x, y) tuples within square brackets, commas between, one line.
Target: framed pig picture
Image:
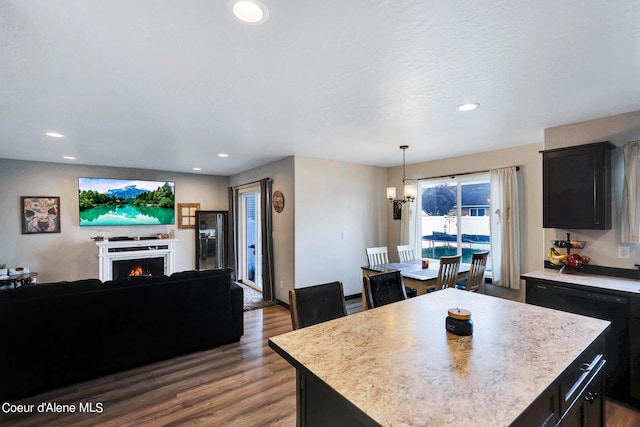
[(40, 214)]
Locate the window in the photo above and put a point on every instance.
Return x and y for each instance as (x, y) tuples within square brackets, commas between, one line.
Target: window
[(478, 211), (454, 218)]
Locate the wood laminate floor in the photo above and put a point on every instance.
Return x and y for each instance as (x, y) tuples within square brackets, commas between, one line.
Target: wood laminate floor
[(242, 384)]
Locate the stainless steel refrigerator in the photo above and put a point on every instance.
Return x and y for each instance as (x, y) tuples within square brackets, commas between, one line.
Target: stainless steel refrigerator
[(211, 239)]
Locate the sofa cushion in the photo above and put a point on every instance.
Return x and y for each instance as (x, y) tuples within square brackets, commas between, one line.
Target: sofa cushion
[(53, 289), (196, 274), (133, 281)]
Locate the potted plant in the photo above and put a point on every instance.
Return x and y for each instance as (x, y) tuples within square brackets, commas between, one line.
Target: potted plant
[(3, 270)]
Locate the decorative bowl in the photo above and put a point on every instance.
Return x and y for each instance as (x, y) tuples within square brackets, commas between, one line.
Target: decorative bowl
[(573, 244)]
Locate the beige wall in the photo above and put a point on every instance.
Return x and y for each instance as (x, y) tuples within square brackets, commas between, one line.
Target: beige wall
[(323, 199), (530, 191), (333, 210), (602, 245), (72, 254), (340, 210), (282, 174), (336, 197)]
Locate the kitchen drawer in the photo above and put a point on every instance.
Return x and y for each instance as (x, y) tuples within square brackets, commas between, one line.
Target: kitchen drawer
[(579, 375), (587, 410)]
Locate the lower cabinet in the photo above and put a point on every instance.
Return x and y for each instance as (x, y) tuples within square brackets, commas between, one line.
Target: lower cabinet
[(634, 354), (575, 399), (584, 400), (587, 411), (622, 345)]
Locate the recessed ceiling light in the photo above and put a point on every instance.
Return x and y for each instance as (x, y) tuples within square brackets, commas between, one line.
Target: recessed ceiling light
[(69, 157), (223, 155), (249, 11), (197, 169), (468, 107), (54, 135)]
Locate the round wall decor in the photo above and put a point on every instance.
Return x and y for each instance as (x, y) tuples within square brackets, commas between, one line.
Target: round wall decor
[(277, 200)]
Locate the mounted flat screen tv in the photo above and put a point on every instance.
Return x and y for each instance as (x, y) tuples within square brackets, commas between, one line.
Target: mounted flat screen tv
[(106, 201)]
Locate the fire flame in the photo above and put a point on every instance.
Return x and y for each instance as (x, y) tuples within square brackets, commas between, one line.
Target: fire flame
[(137, 271)]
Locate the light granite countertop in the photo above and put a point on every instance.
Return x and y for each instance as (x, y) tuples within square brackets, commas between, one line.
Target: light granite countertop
[(595, 281), (399, 366)]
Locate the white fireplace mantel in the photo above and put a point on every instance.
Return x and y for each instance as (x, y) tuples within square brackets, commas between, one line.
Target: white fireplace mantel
[(110, 251)]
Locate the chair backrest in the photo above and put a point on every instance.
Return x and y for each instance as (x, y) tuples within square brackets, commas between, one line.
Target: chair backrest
[(378, 255), (448, 273), (384, 288), (316, 304), (405, 252), (476, 271)]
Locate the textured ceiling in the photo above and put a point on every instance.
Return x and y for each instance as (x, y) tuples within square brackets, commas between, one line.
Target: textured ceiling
[(165, 84)]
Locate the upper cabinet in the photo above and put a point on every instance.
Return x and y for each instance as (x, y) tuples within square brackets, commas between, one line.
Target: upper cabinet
[(577, 187)]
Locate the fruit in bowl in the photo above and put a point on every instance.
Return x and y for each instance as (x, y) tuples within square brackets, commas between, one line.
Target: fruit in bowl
[(572, 260), (575, 260), (556, 257)]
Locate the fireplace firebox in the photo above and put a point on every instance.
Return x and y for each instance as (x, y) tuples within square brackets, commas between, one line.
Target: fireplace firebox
[(138, 267)]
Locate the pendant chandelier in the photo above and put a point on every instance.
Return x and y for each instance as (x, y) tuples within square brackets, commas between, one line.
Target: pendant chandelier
[(409, 189)]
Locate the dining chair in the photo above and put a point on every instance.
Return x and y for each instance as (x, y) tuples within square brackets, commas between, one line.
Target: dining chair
[(448, 272), (475, 279), (405, 252), (384, 288), (379, 255), (316, 304)]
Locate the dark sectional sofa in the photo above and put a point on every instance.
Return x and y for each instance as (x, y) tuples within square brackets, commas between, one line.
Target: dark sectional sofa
[(60, 333)]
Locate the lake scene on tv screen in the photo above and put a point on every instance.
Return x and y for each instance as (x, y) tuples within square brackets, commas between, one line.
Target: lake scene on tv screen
[(107, 201)]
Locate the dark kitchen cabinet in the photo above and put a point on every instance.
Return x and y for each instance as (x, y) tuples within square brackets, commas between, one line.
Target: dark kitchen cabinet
[(577, 187), (622, 343), (634, 362), (588, 407)]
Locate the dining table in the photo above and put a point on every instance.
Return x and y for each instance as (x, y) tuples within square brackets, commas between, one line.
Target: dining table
[(413, 275)]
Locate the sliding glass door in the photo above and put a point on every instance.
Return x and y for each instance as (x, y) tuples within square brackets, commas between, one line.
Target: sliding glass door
[(250, 243), (454, 218)]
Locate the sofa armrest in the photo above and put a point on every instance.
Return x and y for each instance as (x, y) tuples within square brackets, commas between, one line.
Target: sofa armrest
[(237, 309)]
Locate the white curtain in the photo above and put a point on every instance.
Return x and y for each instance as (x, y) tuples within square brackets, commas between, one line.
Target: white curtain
[(409, 223), (505, 228), (630, 232)]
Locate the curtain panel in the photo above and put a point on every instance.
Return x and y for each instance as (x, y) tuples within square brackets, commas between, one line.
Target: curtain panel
[(267, 240), (232, 259), (266, 234), (505, 228), (630, 226), (409, 223)]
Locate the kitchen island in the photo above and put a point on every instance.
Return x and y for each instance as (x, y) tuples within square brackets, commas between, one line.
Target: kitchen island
[(397, 366)]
